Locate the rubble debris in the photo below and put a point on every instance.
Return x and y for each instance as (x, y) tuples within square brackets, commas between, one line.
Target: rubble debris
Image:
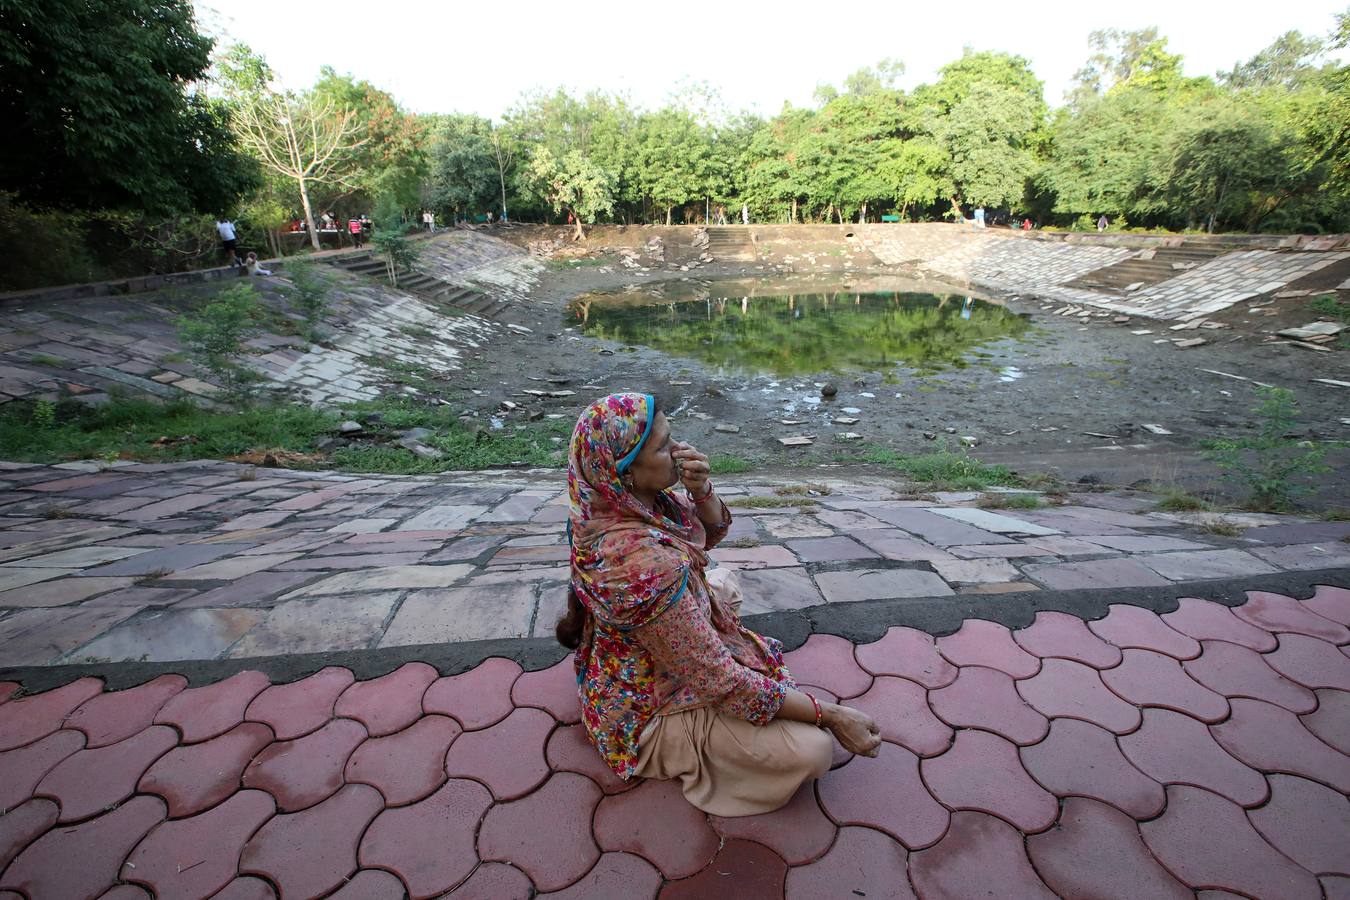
[(1333, 382), (1313, 330), (727, 429), (1133, 286), (1098, 434), (1304, 345), (1288, 295), (791, 422), (829, 390), (1154, 429), (1142, 331), (799, 440), (848, 436), (845, 420), (969, 440), (1190, 342), (1238, 377), (412, 440), (350, 427), (930, 436)]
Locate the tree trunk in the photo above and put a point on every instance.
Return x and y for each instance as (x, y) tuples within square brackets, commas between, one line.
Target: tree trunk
[(576, 217), (309, 213), (668, 209), (793, 219), (862, 214), (956, 208)]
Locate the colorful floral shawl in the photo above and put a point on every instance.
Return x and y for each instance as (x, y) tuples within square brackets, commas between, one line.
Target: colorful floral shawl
[(630, 564)]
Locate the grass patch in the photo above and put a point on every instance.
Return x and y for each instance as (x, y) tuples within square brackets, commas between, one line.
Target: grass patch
[(770, 502), (1221, 526), (725, 464), (1336, 515), (802, 490), (1011, 501), (1177, 500), (1329, 305), (943, 468)]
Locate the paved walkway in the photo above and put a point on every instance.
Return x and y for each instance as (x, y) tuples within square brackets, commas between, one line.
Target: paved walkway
[(213, 560), (1135, 756)]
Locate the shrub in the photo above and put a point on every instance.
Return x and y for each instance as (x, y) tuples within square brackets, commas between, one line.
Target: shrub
[(309, 292), (1266, 462), (215, 337)]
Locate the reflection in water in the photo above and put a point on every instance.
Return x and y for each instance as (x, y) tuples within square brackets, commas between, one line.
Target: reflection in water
[(801, 333)]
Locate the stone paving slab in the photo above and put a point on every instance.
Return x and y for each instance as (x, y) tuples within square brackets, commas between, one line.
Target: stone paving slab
[(1136, 756), (211, 560)]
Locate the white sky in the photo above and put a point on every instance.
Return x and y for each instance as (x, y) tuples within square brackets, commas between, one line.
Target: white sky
[(458, 56)]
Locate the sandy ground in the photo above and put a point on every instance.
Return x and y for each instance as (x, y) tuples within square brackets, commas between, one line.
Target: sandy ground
[(1077, 377)]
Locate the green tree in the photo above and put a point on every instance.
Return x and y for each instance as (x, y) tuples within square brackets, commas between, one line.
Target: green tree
[(570, 184), (390, 159), (1285, 62), (989, 137), (102, 103), (463, 176)]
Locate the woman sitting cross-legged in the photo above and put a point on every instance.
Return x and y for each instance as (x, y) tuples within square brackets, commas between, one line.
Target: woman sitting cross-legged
[(672, 685)]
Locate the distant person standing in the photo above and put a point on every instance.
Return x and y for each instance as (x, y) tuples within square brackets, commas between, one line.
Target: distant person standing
[(354, 229), (745, 214), (225, 228), (1102, 224), (979, 216), (367, 226), (1026, 224), (429, 220)]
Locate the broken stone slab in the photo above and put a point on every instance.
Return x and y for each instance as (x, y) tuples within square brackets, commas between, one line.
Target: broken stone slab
[(1142, 331), (727, 429), (350, 427), (561, 394), (519, 329), (1304, 345), (1333, 382), (508, 405), (845, 420), (1154, 429), (1190, 342), (969, 440), (1120, 320), (791, 422), (848, 436), (1133, 286), (1313, 330), (799, 440), (1185, 326), (1286, 295)]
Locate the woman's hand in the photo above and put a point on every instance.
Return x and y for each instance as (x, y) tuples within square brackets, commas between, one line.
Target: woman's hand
[(693, 468), (856, 731)]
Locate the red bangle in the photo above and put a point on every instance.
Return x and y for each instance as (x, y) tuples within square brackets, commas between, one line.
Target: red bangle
[(706, 494), (816, 704)]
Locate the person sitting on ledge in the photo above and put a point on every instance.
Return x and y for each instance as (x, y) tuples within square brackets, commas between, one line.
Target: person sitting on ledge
[(672, 685)]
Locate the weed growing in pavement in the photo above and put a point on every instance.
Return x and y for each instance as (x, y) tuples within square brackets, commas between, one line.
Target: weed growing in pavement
[(1176, 500), (1010, 501), (802, 490), (1266, 462), (943, 468), (1221, 526), (44, 414), (1329, 305), (771, 502), (214, 336)]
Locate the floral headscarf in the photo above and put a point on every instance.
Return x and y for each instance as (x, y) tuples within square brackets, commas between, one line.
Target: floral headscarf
[(629, 564)]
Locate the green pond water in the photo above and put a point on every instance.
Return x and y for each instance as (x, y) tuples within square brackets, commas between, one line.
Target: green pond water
[(801, 332)]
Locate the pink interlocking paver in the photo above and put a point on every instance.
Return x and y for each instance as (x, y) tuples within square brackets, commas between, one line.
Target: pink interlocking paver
[(553, 689), (27, 719), (196, 776), (900, 708), (89, 781), (981, 856), (371, 884), (508, 757), (908, 653), (570, 750), (1206, 620), (1276, 612), (982, 772), (1312, 662), (389, 703), (1272, 739), (1330, 602), (8, 689), (756, 871), (198, 856), (1079, 759), (828, 661), (1172, 748), (655, 822), (799, 832), (1331, 720), (1131, 627), (1146, 678), (406, 766), (302, 772), (986, 698), (490, 881), (884, 793), (1096, 851), (309, 853), (21, 825), (431, 843), (296, 709), (205, 712), (477, 698), (1057, 634), (1307, 822), (23, 768), (1207, 842), (44, 868), (1237, 671), (1063, 688), (115, 715), (547, 834), (981, 643), (862, 862), (615, 875)]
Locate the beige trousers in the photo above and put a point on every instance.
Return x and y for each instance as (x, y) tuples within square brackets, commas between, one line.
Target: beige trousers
[(729, 767)]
